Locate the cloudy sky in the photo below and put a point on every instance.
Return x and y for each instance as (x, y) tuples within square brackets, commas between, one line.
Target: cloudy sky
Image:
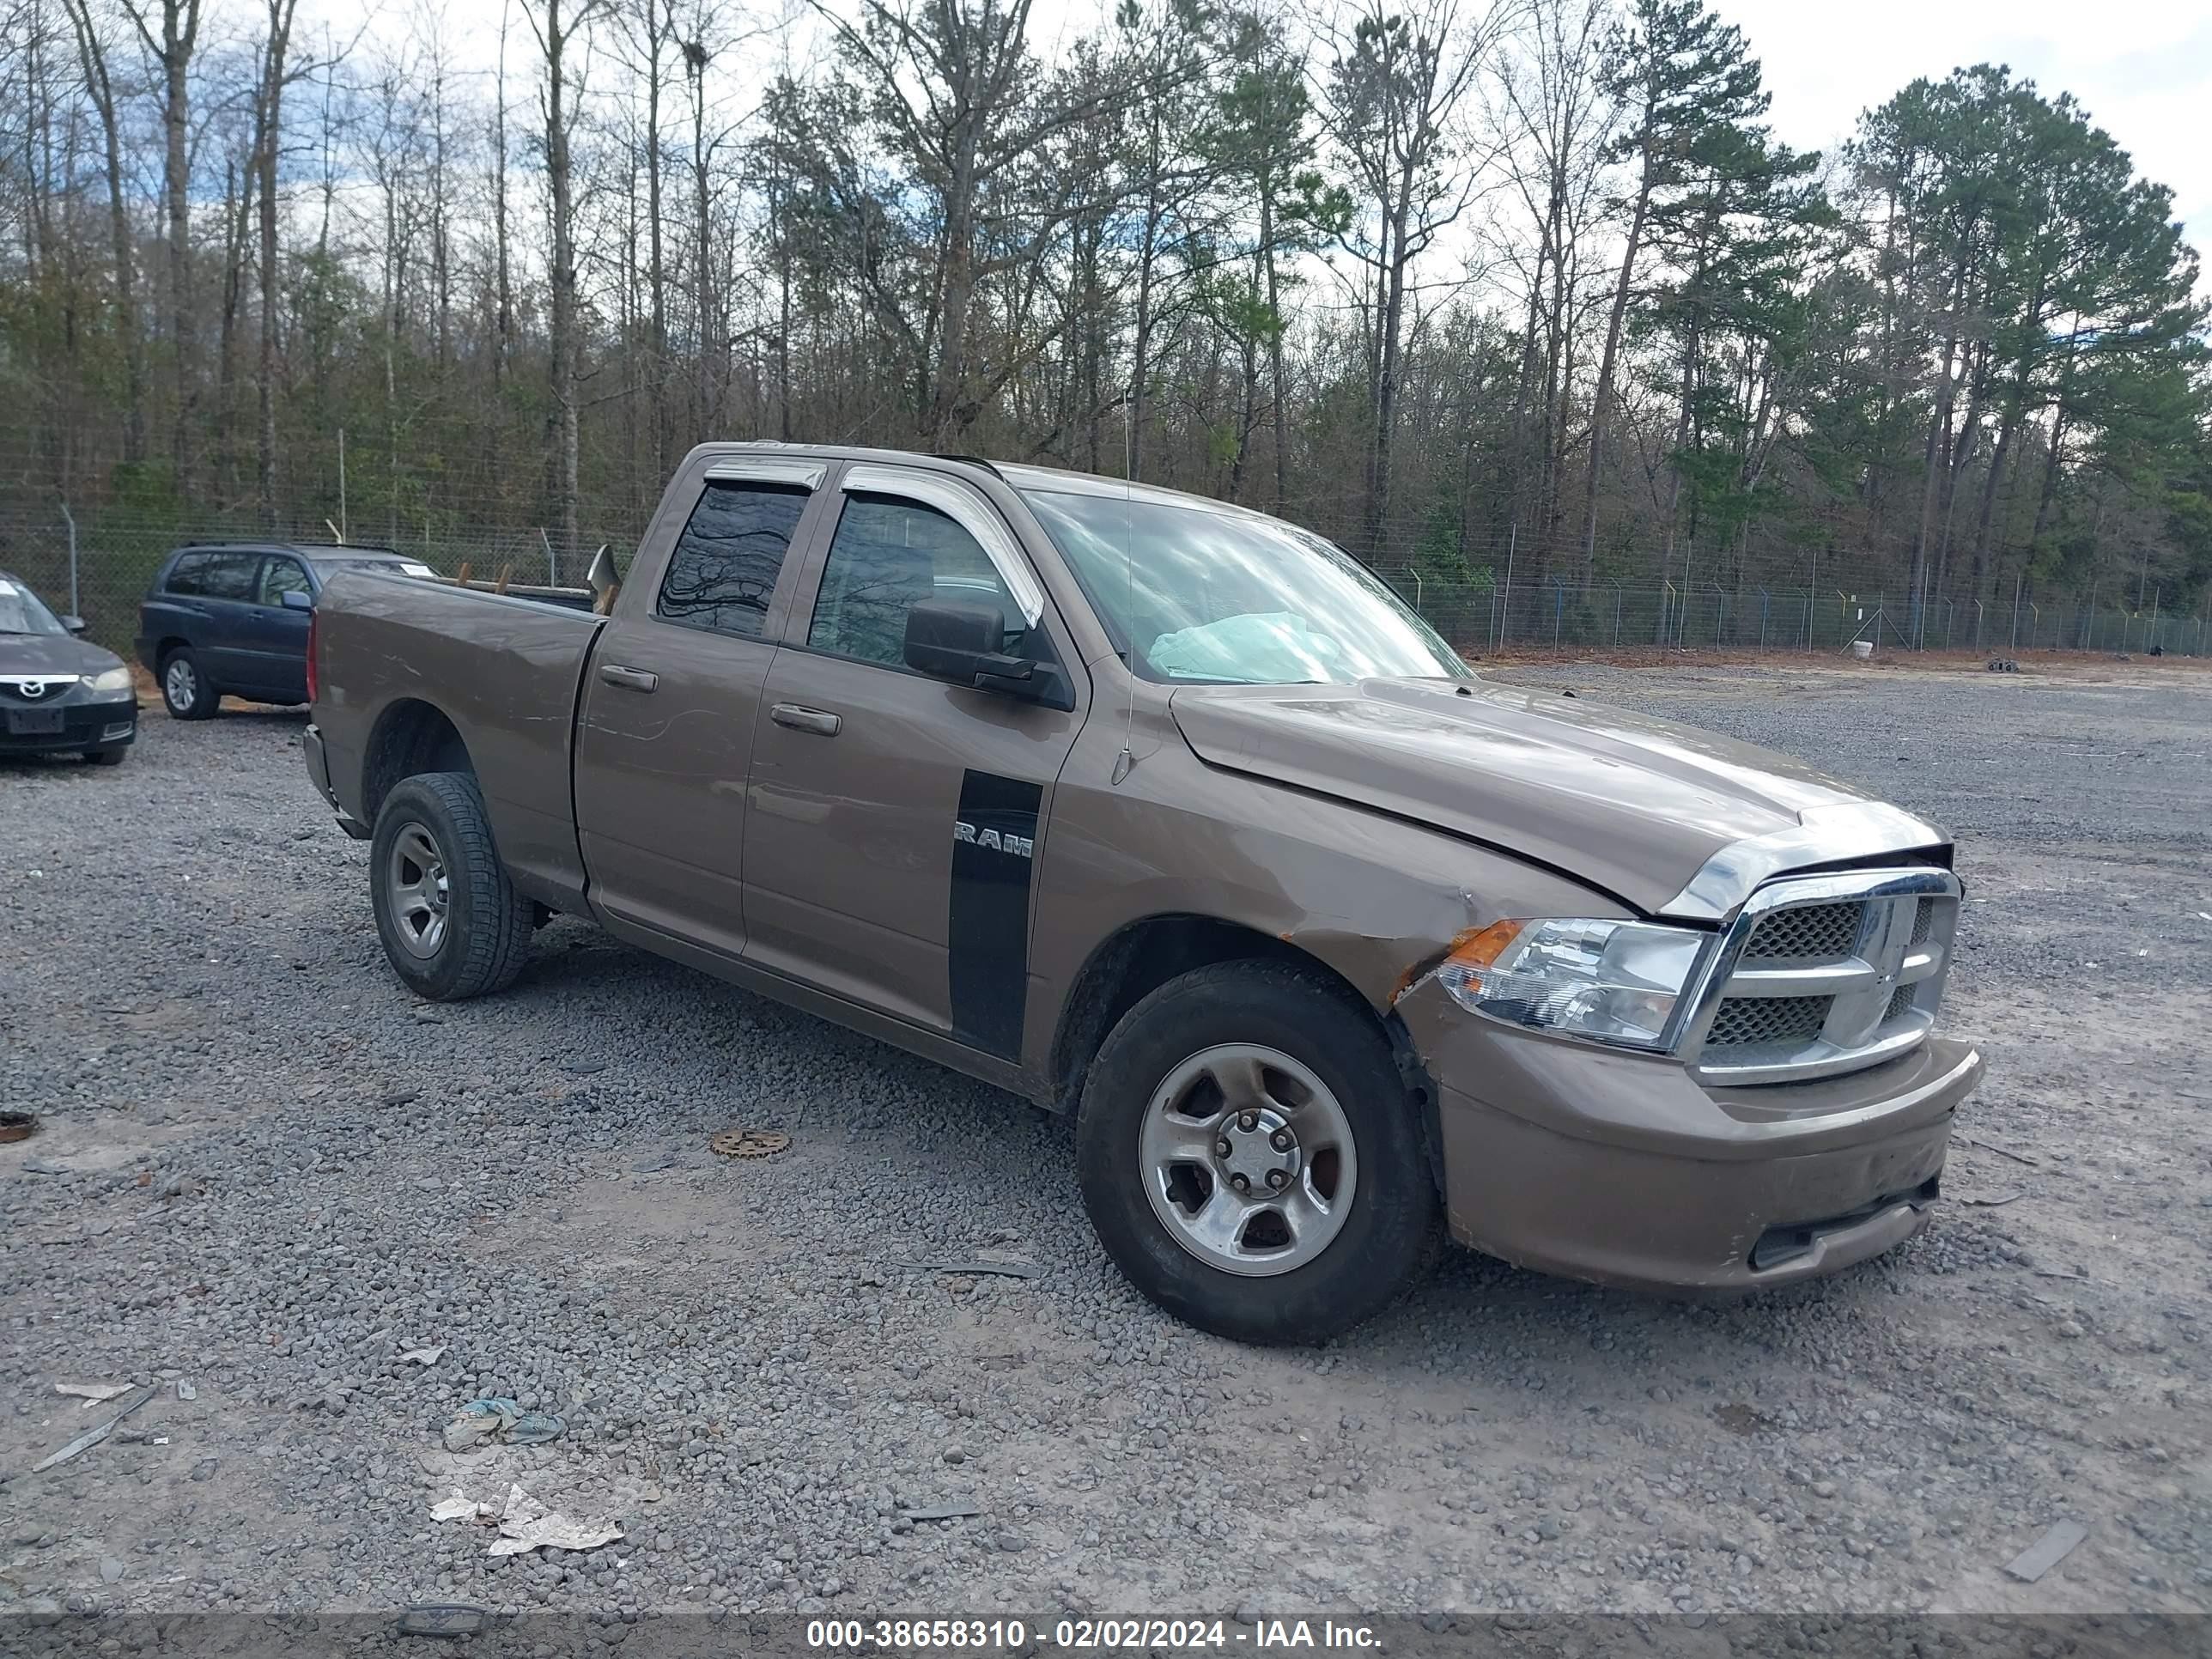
[(2143, 69)]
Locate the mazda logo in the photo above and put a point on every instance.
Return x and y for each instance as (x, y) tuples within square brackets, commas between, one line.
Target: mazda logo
[(33, 689)]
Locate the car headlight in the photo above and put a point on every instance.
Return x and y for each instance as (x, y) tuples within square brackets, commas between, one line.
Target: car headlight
[(108, 683), (1609, 981)]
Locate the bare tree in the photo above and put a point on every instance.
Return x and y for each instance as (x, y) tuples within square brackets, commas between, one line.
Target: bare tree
[(1395, 92), (277, 72), (559, 33), (100, 87), (173, 49), (650, 29), (1557, 124)]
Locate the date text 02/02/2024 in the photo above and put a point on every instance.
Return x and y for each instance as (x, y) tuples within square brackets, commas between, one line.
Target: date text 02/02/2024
[(1081, 1635)]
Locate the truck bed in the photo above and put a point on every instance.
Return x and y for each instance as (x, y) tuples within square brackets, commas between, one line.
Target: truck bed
[(506, 668)]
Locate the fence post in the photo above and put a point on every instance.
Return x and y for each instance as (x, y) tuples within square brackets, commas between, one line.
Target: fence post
[(1506, 605), (1764, 602), (1810, 595), (2014, 646), (1616, 614), (75, 608)]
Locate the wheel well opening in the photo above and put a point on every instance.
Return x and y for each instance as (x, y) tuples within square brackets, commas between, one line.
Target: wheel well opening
[(411, 737), (169, 642), (1140, 959)]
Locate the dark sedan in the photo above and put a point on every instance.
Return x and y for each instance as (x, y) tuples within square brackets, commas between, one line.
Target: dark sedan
[(57, 692), (233, 619)]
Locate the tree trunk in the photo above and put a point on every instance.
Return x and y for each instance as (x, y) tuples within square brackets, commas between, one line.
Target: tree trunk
[(561, 279), (273, 74), (93, 52), (1601, 400)]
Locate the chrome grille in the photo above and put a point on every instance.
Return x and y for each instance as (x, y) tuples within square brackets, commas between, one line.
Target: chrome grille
[(1819, 975), (1811, 933), (1741, 1020)]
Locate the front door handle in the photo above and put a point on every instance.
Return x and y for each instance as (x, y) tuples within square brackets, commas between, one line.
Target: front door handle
[(634, 679), (820, 721)]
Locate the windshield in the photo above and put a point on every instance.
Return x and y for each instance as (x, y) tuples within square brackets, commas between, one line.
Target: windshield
[(22, 613), (1224, 597)]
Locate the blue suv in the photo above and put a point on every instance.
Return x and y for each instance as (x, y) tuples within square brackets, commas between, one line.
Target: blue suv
[(233, 619)]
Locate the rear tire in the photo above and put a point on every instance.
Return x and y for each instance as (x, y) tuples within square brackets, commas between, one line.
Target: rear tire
[(185, 690), (452, 923), (1337, 1213), (107, 757)]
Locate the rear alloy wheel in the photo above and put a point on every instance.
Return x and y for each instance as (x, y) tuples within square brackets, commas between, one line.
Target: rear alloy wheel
[(185, 689), (1252, 1158), (452, 923)]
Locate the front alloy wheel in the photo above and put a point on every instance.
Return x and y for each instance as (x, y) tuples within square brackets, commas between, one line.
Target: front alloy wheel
[(1249, 1160), (1252, 1157)]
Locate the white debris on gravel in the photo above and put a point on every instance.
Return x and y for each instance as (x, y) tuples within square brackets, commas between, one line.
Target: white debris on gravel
[(763, 1403)]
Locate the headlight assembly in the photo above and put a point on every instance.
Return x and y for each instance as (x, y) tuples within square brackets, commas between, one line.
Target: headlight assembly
[(1608, 981), (108, 683)]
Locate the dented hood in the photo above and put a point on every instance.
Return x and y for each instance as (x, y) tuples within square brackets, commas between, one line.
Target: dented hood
[(1670, 818)]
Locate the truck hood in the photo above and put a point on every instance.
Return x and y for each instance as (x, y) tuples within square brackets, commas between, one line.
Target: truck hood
[(1673, 820)]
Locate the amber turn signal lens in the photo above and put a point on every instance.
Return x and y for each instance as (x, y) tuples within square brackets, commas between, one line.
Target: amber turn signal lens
[(1480, 948)]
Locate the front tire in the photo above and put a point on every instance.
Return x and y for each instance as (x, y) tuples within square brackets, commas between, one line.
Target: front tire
[(452, 923), (186, 689), (1250, 1157)]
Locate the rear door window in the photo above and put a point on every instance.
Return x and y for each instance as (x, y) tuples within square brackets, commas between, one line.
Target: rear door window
[(722, 573), (230, 576), (189, 574)]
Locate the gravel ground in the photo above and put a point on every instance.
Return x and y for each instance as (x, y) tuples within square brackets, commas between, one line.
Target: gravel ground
[(265, 1177)]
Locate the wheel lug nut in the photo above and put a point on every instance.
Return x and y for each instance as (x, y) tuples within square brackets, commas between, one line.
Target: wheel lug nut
[(1281, 1143), (1223, 1146), (1242, 1183), (1276, 1177), (1249, 1121)]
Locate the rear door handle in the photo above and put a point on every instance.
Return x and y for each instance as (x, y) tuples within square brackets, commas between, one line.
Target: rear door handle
[(820, 721), (634, 679)]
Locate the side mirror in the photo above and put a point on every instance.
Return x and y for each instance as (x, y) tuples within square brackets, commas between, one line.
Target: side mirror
[(966, 645), (74, 624), (296, 600)]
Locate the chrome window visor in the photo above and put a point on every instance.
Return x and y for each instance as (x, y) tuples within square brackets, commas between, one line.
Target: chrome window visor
[(807, 475), (966, 508), (1824, 834)]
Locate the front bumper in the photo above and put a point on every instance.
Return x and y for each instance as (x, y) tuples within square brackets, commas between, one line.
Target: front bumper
[(1622, 1168), (108, 725)]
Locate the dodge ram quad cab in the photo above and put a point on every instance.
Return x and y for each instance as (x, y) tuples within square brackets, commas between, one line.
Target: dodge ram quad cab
[(1171, 815)]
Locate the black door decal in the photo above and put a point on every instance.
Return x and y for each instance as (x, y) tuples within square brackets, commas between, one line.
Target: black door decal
[(988, 931)]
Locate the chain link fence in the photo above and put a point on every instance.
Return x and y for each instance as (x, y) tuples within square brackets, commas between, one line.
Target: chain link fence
[(1613, 616), (100, 568)]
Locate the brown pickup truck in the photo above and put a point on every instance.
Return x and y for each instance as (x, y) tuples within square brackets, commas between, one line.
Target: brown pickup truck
[(1171, 815)]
